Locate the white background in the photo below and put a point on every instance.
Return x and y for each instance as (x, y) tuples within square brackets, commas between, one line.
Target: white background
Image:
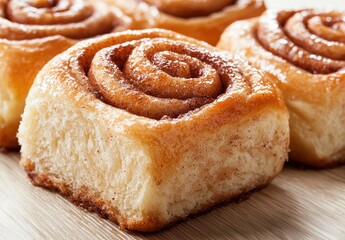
[(325, 4)]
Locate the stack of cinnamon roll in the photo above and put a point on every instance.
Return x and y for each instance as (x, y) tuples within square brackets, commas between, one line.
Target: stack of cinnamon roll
[(149, 111)]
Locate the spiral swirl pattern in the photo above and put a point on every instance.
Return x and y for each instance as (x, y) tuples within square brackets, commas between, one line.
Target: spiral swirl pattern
[(156, 74), (188, 9), (311, 40), (76, 19)]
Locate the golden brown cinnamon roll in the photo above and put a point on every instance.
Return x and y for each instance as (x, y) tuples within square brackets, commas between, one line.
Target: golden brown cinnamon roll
[(31, 33), (126, 120), (203, 20), (305, 51)]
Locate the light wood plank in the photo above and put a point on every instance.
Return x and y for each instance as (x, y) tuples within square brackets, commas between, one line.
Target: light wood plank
[(297, 205)]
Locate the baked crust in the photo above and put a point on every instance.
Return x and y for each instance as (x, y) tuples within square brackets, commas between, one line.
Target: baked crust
[(91, 202), (134, 158), (207, 27), (17, 76), (314, 96), (26, 48)]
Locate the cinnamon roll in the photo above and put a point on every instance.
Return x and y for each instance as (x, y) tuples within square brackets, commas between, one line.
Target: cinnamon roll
[(31, 33), (305, 51), (121, 123), (204, 20)]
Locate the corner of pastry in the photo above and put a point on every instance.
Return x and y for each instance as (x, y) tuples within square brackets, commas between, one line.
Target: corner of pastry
[(203, 20), (149, 127), (31, 35), (304, 51)]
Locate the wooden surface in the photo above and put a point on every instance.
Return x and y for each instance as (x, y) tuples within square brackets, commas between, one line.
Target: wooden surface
[(299, 204)]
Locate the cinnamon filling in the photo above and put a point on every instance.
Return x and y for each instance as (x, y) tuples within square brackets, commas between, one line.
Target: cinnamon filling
[(48, 12), (76, 19), (159, 78), (311, 40)]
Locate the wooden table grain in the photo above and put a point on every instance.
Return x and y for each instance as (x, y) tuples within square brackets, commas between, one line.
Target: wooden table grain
[(299, 204)]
